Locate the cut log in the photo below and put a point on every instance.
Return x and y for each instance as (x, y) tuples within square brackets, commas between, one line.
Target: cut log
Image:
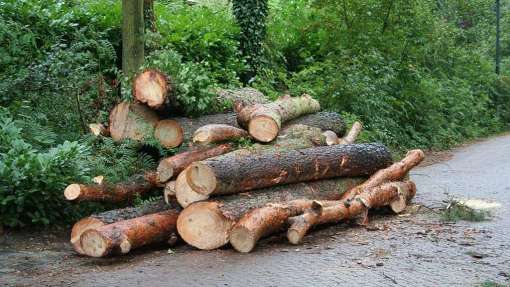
[(264, 121), (98, 179), (99, 130), (395, 172), (331, 137), (97, 220), (207, 224), (352, 135), (242, 96), (169, 133), (293, 137), (169, 192), (106, 192), (215, 133), (227, 175), (326, 121), (124, 236), (132, 121), (171, 166), (396, 195), (151, 87)]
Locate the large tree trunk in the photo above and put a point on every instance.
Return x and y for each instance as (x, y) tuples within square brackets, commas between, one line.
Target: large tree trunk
[(132, 121), (97, 220), (292, 138), (264, 121), (172, 166), (396, 195), (214, 133), (152, 87), (395, 172), (116, 193), (132, 36), (207, 225), (124, 236), (233, 175)]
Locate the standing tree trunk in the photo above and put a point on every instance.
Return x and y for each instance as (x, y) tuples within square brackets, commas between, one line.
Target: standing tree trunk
[(132, 36), (149, 16)]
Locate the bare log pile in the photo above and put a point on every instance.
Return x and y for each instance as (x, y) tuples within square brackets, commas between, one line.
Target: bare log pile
[(297, 169)]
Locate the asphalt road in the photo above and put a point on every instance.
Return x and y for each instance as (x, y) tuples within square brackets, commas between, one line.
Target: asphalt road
[(413, 249)]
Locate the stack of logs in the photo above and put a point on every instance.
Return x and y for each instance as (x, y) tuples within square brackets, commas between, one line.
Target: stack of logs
[(304, 171)]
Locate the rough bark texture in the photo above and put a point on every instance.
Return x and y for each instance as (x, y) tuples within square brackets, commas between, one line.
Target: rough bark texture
[(124, 236), (151, 87), (132, 36), (395, 172), (214, 133), (326, 121), (242, 96), (393, 194), (172, 166), (99, 130), (132, 121), (264, 121), (149, 17), (292, 138), (228, 176), (97, 220), (207, 225), (105, 192)]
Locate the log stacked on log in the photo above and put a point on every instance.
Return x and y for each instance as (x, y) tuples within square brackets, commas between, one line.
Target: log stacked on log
[(304, 171)]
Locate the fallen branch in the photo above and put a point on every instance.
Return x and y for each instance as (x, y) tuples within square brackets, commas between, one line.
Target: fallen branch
[(352, 135)]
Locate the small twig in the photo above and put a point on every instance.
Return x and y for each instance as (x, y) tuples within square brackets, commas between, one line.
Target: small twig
[(391, 279)]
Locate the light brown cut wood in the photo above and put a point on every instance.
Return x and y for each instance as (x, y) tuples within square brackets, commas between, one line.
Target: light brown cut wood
[(97, 220), (395, 172), (99, 130), (132, 121), (331, 137), (169, 192), (124, 236), (214, 133), (169, 133), (227, 175), (98, 179), (207, 224), (393, 194), (170, 167), (151, 87), (352, 135), (264, 121)]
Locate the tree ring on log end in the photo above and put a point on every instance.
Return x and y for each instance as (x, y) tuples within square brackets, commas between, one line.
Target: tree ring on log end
[(72, 191), (184, 193), (242, 239), (151, 87), (80, 227), (94, 244), (169, 133), (263, 128), (165, 171), (201, 178)]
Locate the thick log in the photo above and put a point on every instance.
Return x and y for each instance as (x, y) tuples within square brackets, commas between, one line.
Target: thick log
[(214, 133), (396, 195), (219, 176), (172, 166), (292, 138), (169, 133), (395, 172), (97, 220), (124, 236), (151, 87), (132, 121), (106, 192), (99, 130), (264, 121), (326, 121), (207, 224), (242, 96)]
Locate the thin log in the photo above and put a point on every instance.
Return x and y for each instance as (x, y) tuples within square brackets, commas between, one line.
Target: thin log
[(352, 135), (214, 133), (132, 121), (97, 220), (207, 224), (99, 130), (124, 236), (219, 176), (396, 195), (395, 172), (172, 166), (151, 87), (264, 121)]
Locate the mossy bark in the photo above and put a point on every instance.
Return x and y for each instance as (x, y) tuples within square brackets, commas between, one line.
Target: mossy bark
[(132, 36)]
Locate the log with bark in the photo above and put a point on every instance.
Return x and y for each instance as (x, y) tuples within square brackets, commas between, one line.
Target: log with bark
[(227, 175), (151, 87), (292, 138), (352, 135), (214, 133), (396, 195), (108, 192), (172, 166), (97, 220), (395, 172), (264, 121), (207, 224), (132, 121), (326, 121), (124, 236), (242, 96)]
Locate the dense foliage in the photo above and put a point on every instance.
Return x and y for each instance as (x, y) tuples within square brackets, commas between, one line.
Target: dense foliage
[(416, 73)]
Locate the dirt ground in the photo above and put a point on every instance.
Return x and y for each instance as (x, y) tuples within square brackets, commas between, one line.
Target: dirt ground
[(412, 249)]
